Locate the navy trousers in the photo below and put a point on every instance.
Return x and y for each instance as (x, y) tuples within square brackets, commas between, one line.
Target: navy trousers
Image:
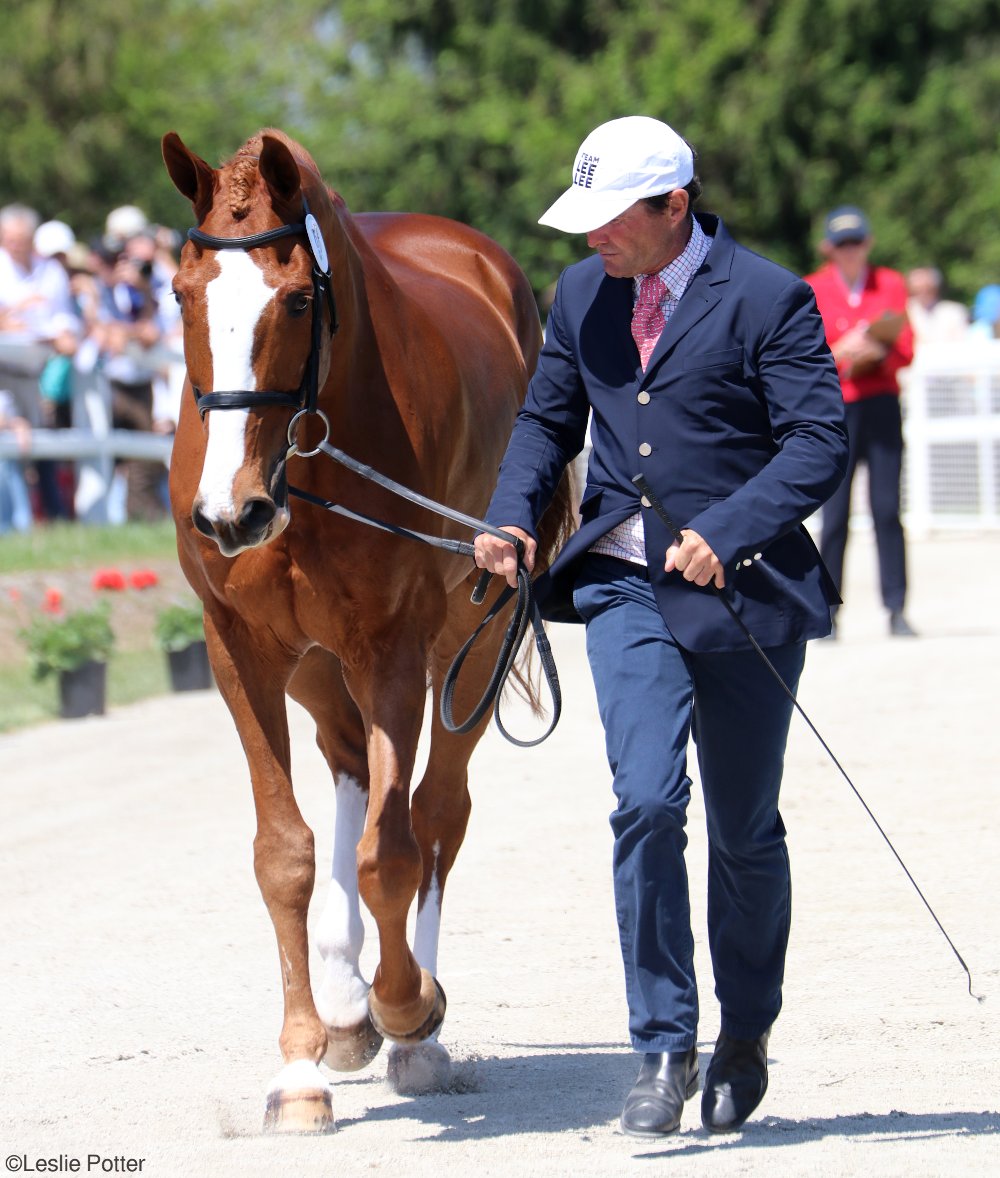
[(652, 695), (875, 434)]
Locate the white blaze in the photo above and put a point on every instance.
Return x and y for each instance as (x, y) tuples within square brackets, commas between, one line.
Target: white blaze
[(236, 300)]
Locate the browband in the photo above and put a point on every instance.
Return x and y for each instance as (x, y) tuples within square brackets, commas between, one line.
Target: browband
[(244, 243)]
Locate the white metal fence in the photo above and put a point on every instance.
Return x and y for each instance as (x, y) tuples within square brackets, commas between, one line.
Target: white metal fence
[(951, 473), (91, 444), (951, 400)]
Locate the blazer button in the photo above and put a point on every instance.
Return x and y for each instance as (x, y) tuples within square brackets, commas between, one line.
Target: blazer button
[(645, 449), (645, 502), (643, 398)]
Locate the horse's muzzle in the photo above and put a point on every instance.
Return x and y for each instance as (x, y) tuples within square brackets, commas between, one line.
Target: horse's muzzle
[(259, 520)]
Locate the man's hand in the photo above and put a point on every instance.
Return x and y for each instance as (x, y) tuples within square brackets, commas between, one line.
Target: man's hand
[(695, 561), (500, 557)]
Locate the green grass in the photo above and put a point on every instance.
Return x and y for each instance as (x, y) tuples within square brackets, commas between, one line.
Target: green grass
[(132, 676), (65, 546)]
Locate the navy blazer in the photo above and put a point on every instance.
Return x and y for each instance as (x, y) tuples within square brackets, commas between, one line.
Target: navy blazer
[(741, 438)]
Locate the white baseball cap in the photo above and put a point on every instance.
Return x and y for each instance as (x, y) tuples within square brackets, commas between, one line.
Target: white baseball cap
[(53, 237), (125, 222), (619, 163)]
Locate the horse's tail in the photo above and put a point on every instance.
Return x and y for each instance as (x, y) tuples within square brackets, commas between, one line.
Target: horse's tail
[(554, 529)]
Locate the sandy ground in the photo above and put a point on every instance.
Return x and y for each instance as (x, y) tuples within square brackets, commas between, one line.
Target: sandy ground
[(140, 985)]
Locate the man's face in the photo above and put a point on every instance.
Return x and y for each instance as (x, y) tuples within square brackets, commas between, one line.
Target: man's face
[(923, 287), (851, 257), (642, 240), (15, 238)]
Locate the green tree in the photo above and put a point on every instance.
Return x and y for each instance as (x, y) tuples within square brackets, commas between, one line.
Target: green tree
[(88, 87), (474, 109)]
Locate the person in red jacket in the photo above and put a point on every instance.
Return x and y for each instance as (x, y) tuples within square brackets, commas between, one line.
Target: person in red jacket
[(864, 314)]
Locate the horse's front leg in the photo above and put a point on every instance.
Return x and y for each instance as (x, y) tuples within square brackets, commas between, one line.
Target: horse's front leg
[(251, 678), (406, 1003), (341, 992)]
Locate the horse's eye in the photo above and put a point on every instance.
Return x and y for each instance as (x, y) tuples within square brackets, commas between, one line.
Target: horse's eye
[(298, 304)]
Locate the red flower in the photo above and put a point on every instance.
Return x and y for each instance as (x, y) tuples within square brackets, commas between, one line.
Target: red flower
[(53, 602), (108, 579), (143, 579), (14, 594)]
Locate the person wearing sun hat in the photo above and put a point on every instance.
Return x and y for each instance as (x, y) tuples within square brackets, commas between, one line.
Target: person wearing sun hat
[(704, 367)]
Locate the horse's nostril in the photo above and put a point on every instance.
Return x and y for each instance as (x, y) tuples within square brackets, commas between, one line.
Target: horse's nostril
[(200, 521), (256, 515)]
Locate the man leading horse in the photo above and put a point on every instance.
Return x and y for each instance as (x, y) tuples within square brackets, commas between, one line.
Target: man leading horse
[(705, 369)]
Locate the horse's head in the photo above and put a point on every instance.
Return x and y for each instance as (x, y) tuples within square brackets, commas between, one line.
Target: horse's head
[(256, 297)]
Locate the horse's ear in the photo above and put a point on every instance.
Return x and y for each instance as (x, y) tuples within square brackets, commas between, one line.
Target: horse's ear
[(279, 170), (192, 177)]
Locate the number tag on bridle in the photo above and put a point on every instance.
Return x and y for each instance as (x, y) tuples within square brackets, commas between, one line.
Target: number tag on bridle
[(317, 243)]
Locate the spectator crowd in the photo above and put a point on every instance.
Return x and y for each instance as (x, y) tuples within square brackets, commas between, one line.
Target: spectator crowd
[(74, 314)]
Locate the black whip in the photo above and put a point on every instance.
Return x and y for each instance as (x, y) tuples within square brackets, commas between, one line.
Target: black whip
[(640, 482)]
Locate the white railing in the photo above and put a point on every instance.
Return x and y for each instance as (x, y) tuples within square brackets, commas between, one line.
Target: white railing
[(91, 444), (951, 472), (951, 400)]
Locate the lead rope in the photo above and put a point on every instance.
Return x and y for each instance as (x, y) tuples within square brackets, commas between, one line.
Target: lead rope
[(660, 510), (525, 610)]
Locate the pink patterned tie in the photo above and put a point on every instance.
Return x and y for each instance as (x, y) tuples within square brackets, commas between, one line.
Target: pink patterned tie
[(647, 316)]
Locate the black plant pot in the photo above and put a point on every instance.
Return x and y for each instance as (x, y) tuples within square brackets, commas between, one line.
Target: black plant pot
[(189, 669), (82, 691)]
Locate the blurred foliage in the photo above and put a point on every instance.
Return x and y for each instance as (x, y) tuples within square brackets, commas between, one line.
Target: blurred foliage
[(474, 109)]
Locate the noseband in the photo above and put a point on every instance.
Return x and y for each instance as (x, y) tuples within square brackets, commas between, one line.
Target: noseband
[(307, 394)]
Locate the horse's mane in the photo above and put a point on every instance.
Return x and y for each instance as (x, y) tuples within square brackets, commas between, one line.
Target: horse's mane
[(242, 168)]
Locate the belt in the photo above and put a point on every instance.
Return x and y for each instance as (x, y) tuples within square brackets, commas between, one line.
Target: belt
[(618, 566)]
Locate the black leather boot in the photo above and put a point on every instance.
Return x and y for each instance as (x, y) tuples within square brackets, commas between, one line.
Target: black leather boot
[(666, 1079), (735, 1082)]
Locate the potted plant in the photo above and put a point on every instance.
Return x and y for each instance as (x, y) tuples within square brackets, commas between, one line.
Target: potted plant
[(180, 632), (74, 646)]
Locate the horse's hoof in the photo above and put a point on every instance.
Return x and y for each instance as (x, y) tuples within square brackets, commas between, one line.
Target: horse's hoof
[(299, 1101), (305, 1111), (416, 1021), (349, 1049), (415, 1069)]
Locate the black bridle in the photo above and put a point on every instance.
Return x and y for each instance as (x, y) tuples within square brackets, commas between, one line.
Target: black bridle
[(307, 394)]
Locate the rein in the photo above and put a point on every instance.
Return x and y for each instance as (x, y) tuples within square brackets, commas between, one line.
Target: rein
[(525, 609)]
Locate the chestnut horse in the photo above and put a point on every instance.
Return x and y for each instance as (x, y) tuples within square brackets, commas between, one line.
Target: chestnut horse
[(414, 336)]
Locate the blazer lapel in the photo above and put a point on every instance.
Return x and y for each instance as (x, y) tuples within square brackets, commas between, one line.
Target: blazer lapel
[(606, 332)]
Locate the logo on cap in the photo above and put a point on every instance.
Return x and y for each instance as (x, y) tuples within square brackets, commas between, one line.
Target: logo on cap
[(586, 166), (848, 221)]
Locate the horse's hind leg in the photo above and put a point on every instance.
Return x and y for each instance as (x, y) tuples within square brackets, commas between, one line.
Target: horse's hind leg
[(440, 811), (342, 994), (389, 685)]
